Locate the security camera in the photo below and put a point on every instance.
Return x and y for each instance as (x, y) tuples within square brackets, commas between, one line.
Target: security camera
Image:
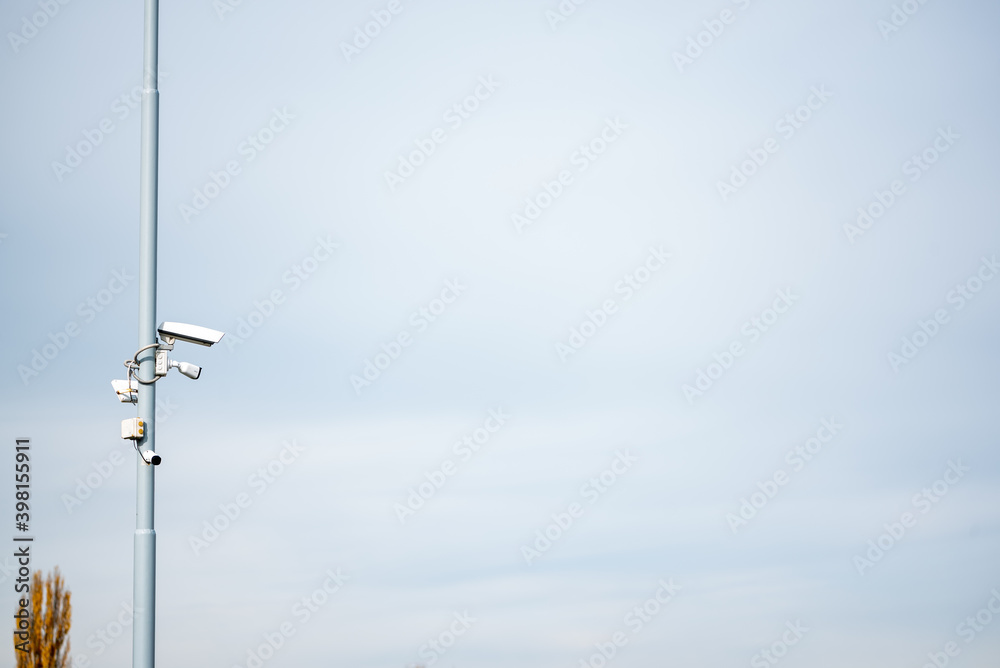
[(179, 331), (192, 371), (126, 393), (151, 457)]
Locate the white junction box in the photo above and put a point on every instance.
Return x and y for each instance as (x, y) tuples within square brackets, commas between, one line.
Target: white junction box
[(162, 364), (133, 429)]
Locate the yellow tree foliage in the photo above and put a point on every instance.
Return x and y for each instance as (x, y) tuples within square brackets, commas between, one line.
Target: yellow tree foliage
[(48, 625)]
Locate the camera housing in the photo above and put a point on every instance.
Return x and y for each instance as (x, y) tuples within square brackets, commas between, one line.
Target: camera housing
[(126, 393), (179, 331), (192, 371), (151, 457)]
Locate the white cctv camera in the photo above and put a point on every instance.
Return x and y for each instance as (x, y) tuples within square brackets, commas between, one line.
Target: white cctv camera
[(126, 393), (151, 457), (179, 331), (192, 371)]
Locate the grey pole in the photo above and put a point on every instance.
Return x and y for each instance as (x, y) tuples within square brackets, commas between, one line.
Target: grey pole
[(144, 569)]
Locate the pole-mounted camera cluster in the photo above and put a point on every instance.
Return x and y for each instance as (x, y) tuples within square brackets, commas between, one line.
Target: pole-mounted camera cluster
[(170, 332)]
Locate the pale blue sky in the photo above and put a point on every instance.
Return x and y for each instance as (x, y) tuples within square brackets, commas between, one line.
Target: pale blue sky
[(308, 217)]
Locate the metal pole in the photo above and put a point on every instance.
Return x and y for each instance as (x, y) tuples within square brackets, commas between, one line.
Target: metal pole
[(144, 573)]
